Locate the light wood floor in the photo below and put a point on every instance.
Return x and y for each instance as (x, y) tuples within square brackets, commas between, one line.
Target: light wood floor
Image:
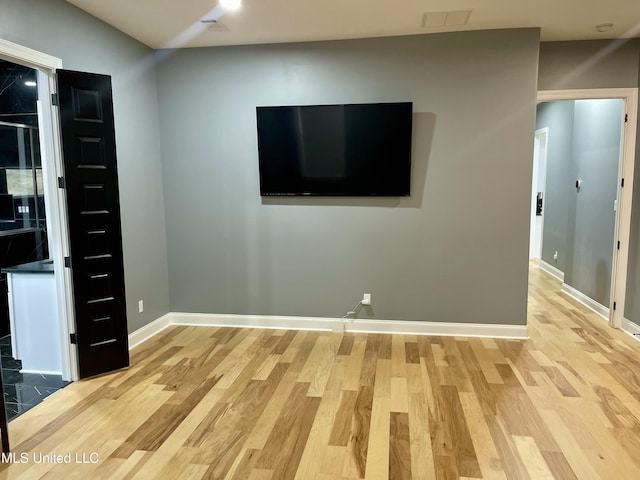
[(268, 404)]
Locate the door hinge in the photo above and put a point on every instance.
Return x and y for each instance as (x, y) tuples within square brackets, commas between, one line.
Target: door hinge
[(618, 244), (54, 100), (626, 117), (614, 305), (73, 338), (61, 182), (622, 183), (67, 262)]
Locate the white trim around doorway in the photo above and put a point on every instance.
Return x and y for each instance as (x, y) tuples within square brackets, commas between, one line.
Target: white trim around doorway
[(539, 170), (52, 168), (625, 194)]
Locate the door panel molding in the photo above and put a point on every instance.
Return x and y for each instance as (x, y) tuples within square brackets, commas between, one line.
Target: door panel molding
[(93, 210)]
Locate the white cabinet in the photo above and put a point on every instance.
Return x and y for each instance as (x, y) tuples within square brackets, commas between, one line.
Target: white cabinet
[(33, 314)]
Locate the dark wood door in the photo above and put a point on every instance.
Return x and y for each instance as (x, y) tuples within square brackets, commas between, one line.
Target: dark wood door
[(93, 208)]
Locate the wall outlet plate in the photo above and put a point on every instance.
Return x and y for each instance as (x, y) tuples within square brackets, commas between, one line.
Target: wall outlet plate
[(140, 306), (366, 299)]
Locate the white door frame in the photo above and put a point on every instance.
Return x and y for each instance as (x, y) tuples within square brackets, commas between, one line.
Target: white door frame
[(55, 206), (625, 195), (536, 234)]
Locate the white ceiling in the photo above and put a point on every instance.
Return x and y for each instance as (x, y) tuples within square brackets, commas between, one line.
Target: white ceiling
[(175, 23)]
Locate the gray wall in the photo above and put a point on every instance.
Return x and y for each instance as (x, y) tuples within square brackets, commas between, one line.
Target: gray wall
[(558, 117), (455, 251), (596, 155), (589, 64), (85, 43)]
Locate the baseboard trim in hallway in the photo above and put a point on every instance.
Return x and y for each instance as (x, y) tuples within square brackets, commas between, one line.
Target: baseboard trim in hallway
[(551, 270), (631, 328), (585, 300)]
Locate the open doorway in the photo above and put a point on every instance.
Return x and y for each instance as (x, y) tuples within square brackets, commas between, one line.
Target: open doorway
[(586, 205), (31, 330)]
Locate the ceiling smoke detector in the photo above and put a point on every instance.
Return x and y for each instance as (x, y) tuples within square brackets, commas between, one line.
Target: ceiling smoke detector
[(604, 27), (454, 18)]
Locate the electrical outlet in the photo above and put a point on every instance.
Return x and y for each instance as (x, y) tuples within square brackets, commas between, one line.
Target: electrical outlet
[(555, 255), (140, 306), (366, 299)]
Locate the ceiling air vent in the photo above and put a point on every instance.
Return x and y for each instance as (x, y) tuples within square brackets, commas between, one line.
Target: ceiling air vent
[(445, 19), (214, 25)]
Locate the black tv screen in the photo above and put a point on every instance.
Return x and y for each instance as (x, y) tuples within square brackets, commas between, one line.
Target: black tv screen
[(339, 150)]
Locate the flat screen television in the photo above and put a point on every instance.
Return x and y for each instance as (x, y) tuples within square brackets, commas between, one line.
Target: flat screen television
[(335, 150)]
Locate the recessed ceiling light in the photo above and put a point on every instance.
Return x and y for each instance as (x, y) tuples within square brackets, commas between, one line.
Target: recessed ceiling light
[(604, 27), (230, 4), (30, 83)]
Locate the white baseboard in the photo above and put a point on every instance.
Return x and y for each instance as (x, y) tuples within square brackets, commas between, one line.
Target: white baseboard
[(631, 328), (437, 329), (348, 325), (586, 301), (148, 331), (253, 321), (327, 325), (551, 270)]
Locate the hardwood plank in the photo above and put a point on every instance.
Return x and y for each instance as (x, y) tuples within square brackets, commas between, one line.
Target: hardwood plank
[(510, 460), (354, 366), (267, 367), (166, 419), (346, 345), (323, 366), (377, 460), (399, 401), (422, 466), (561, 383), (358, 444), (577, 458), (369, 362), (488, 458), (559, 466), (310, 464), (261, 431), (532, 457), (398, 356), (284, 342), (464, 451), (286, 443), (399, 447), (342, 424), (411, 352), (446, 468)]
